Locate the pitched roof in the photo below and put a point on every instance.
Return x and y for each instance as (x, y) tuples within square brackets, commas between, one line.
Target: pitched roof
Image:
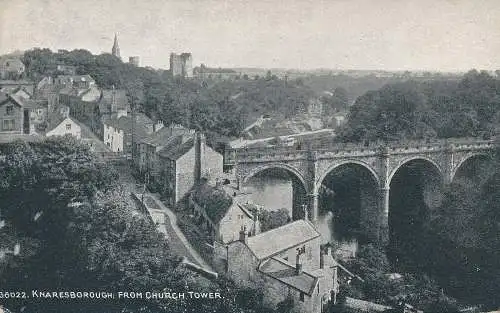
[(56, 116), (215, 201), (88, 136), (142, 126), (162, 137), (276, 240), (15, 99), (119, 96), (175, 150), (75, 78), (286, 273), (248, 208)]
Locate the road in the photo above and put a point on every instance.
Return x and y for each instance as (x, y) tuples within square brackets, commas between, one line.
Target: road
[(162, 216), (166, 222)]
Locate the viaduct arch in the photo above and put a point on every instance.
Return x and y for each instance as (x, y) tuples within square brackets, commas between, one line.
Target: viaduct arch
[(311, 167)]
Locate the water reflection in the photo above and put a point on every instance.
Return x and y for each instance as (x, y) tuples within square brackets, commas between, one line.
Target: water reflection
[(275, 193)]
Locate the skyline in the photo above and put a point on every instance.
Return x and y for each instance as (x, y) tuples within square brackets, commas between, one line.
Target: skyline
[(301, 34)]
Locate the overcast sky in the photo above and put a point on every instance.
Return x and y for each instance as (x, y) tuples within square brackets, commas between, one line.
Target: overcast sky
[(305, 34)]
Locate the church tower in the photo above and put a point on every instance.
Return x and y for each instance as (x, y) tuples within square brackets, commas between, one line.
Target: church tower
[(116, 49)]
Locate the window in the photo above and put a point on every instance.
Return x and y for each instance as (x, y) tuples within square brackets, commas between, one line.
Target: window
[(9, 110), (68, 126), (8, 125), (302, 297)]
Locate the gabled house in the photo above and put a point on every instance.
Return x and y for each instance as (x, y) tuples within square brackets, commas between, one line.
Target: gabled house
[(218, 214), (118, 131), (60, 124), (145, 150), (183, 162), (113, 102), (12, 115), (286, 263), (76, 81)]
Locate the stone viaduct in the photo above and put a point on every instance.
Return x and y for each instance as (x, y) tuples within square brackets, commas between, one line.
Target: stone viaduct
[(310, 167)]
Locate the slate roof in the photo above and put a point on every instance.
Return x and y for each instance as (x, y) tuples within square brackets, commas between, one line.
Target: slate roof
[(119, 96), (142, 125), (286, 273), (75, 78), (248, 208), (54, 120), (276, 240), (162, 137), (175, 148), (88, 136), (215, 201), (15, 99)]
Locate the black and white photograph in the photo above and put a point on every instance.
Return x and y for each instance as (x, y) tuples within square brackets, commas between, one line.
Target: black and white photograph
[(249, 156)]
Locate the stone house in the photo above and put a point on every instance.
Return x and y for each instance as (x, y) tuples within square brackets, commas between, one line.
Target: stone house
[(113, 102), (145, 150), (76, 81), (12, 115), (183, 162), (6, 86), (286, 262), (220, 215), (80, 101), (118, 131), (60, 124)]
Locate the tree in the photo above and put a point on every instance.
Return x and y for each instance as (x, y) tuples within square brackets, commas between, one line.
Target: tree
[(90, 237), (273, 219)]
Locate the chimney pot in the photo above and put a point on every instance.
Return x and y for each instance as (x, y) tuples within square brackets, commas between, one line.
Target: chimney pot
[(298, 264)]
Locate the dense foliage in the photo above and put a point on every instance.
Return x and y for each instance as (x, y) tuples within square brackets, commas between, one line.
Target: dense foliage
[(273, 219), (78, 232), (457, 242), (429, 109), (222, 107), (372, 265)]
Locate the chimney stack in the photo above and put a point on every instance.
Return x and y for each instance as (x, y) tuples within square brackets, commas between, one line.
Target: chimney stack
[(298, 264), (306, 214), (243, 234), (256, 222)]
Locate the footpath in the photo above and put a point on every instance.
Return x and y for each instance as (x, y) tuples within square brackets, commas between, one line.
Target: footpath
[(166, 222)]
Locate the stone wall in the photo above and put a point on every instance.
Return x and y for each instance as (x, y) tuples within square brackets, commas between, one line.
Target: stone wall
[(185, 174)]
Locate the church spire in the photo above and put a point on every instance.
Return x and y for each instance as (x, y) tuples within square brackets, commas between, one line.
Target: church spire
[(116, 49)]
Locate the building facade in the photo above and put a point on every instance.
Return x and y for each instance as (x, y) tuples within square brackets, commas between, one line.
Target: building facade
[(286, 263), (119, 130), (12, 115), (220, 215), (135, 60), (66, 126), (183, 163), (181, 65)]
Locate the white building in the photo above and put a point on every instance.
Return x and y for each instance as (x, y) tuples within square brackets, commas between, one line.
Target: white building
[(66, 126)]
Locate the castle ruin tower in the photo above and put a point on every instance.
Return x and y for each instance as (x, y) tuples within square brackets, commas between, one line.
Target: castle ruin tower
[(116, 49)]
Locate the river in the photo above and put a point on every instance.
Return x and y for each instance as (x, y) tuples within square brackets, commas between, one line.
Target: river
[(275, 193)]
